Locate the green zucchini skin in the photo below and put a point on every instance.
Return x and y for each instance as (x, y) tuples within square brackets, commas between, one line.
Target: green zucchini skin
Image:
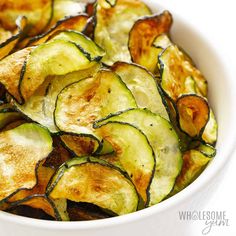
[(143, 87), (87, 162), (138, 163), (24, 132), (74, 55), (21, 202), (40, 107), (165, 144)]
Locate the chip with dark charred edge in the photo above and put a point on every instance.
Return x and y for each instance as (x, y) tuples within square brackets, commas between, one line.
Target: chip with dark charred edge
[(178, 75), (193, 114), (37, 12), (31, 212), (142, 36), (9, 44), (58, 156), (85, 211), (77, 23), (79, 145), (10, 71), (43, 175), (94, 181)]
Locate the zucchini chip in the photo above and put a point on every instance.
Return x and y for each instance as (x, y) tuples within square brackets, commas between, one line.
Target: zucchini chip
[(80, 145), (178, 75), (10, 71), (21, 150), (194, 162), (77, 23), (96, 182), (36, 197), (164, 142), (139, 162), (37, 12), (142, 36), (143, 87), (62, 57), (9, 40), (193, 114), (81, 103), (8, 115), (211, 130), (41, 105), (111, 33)]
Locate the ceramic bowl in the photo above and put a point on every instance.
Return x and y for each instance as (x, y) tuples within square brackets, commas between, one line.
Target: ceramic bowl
[(159, 219)]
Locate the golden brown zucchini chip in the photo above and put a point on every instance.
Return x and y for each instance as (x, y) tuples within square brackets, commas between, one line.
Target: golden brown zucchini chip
[(143, 87), (77, 23), (10, 71), (36, 197), (142, 36), (80, 145), (96, 182), (139, 162), (37, 12), (21, 149), (81, 103), (194, 162), (179, 76), (8, 40), (43, 175), (41, 105), (165, 143), (111, 33), (193, 114)]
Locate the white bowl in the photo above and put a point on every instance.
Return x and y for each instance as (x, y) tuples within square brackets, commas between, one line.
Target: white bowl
[(160, 219)]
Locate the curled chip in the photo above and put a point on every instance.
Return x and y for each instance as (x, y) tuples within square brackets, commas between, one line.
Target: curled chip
[(193, 114), (142, 36)]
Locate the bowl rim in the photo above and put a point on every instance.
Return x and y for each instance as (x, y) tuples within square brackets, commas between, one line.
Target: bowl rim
[(209, 173)]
